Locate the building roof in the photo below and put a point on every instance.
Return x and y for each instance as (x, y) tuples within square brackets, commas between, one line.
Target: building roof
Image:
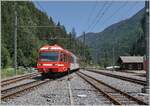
[(132, 59)]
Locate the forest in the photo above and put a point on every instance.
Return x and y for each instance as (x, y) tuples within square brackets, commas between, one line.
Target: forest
[(30, 39)]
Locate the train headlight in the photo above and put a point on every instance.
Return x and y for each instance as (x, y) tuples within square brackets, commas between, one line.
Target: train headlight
[(47, 64), (39, 64), (60, 64)]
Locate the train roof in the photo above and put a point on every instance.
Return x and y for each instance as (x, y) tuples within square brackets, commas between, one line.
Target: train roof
[(55, 47)]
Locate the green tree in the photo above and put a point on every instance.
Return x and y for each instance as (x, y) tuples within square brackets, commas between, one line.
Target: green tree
[(6, 60), (29, 39), (73, 33)]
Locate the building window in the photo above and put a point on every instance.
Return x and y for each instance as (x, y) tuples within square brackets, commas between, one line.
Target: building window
[(130, 66), (139, 66)]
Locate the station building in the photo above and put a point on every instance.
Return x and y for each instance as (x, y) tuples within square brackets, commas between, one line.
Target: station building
[(130, 62)]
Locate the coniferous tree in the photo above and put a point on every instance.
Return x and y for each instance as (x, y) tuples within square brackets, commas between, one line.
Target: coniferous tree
[(73, 32), (30, 39)]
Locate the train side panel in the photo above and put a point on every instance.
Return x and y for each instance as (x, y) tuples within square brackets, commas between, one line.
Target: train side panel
[(74, 63)]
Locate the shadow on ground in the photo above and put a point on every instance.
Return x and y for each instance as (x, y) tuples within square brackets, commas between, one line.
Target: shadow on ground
[(53, 75)]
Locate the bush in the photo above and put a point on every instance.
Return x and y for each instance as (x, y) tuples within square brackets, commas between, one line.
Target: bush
[(9, 72), (6, 60)]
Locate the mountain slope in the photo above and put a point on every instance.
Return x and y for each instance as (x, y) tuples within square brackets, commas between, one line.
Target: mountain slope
[(122, 36)]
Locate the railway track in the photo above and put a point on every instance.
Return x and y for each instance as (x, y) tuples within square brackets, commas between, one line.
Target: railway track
[(114, 95), (16, 79), (133, 80), (13, 91)]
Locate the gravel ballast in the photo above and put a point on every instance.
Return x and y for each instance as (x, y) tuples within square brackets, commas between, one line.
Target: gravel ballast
[(85, 94), (131, 88), (131, 75), (47, 94), (56, 92)]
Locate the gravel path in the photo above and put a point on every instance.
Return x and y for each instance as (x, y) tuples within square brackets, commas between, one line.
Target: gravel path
[(56, 92), (133, 89)]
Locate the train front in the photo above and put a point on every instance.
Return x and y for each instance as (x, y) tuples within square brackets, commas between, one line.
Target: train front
[(48, 60)]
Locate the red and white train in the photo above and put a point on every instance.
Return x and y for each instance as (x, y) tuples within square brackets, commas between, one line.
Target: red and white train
[(55, 59)]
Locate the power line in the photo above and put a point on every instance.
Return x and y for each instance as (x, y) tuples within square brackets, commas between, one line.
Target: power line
[(91, 12), (53, 38), (43, 9), (106, 9), (98, 14), (134, 5), (30, 26), (114, 13)]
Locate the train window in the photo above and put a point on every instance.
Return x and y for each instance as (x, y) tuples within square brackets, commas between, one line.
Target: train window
[(62, 57), (48, 56), (66, 57), (73, 59)]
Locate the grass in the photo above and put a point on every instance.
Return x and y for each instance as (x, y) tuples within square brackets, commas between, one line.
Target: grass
[(9, 72)]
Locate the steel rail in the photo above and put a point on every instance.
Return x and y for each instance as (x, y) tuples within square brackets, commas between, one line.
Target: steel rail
[(114, 101), (4, 90), (96, 85), (133, 80), (16, 77), (14, 80), (24, 88)]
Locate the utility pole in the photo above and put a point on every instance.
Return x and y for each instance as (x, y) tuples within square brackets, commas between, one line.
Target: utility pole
[(84, 45), (113, 57), (146, 88), (15, 40), (70, 42)]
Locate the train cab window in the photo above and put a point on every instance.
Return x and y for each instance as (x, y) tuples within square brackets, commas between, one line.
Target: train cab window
[(49, 56), (62, 57), (65, 58)]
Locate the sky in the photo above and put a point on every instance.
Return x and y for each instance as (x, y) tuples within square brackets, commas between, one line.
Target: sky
[(89, 16)]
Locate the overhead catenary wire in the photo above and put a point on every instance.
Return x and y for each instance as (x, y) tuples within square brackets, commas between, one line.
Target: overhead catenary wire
[(42, 26), (114, 13), (133, 6), (30, 26), (37, 26), (91, 13), (41, 7), (97, 15), (101, 16)]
